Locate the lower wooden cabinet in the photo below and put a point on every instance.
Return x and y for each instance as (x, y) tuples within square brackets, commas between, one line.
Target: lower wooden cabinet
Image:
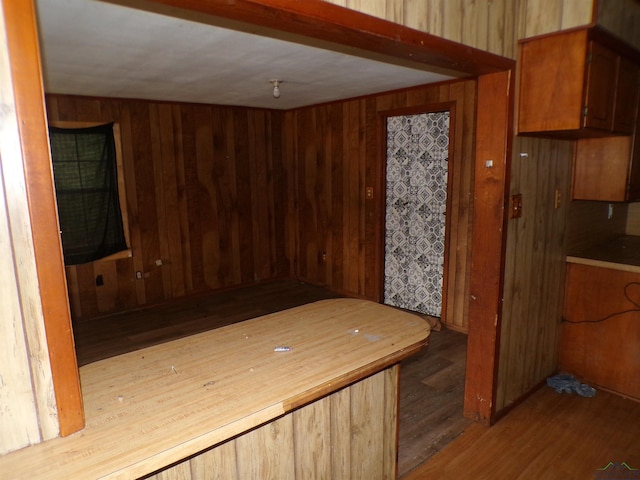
[(600, 337)]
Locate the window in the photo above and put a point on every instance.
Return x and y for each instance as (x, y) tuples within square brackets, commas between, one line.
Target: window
[(85, 170)]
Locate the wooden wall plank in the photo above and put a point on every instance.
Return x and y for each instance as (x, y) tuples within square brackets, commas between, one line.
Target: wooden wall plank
[(204, 189), (218, 463), (620, 17), (275, 442), (534, 267), (313, 455), (341, 430), (36, 252)]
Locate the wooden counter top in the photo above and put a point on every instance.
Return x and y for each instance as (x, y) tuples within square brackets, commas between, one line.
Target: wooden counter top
[(622, 253), (153, 407)]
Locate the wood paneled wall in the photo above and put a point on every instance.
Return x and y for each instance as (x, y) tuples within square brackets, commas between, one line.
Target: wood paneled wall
[(621, 17), (338, 150), (590, 226), (205, 187), (491, 25), (28, 411), (348, 434), (534, 266)]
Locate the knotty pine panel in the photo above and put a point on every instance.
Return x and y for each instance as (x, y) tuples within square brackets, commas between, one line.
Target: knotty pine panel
[(339, 151), (348, 434), (534, 267), (205, 189)]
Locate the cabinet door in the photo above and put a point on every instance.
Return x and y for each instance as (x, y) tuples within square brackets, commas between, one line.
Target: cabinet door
[(600, 87), (626, 97), (552, 80), (601, 169)]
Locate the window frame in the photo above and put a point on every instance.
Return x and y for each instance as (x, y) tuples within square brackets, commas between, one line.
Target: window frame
[(122, 194)]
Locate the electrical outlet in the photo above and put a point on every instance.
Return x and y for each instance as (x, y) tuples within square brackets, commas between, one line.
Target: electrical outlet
[(515, 210), (557, 199), (368, 193)]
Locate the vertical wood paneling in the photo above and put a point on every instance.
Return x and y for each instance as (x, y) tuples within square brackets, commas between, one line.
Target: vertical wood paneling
[(340, 152), (352, 433), (215, 464), (40, 392), (621, 17), (546, 16), (534, 271), (205, 186), (267, 452), (313, 456)]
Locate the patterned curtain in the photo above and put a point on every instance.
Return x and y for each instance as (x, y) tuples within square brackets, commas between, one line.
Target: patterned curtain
[(416, 199)]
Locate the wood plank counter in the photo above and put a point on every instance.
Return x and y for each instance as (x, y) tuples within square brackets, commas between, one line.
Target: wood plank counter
[(322, 406)]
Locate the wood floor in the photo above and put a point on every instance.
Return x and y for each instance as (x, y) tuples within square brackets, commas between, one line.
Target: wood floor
[(431, 382), (112, 335), (549, 436), (431, 399)]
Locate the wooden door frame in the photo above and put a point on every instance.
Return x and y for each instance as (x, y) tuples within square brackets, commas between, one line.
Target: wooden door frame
[(382, 128), (318, 23)]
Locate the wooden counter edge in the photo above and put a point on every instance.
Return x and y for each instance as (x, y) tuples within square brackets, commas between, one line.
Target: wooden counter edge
[(353, 376), (604, 264)]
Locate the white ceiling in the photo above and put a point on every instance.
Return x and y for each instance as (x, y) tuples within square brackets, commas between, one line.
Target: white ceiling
[(95, 48)]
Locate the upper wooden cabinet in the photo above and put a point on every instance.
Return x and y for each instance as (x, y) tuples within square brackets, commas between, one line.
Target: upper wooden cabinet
[(577, 83), (608, 168)]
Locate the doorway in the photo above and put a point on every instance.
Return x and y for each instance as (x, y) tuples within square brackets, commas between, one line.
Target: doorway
[(417, 179)]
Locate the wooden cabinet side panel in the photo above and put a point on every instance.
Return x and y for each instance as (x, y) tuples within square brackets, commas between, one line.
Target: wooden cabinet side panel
[(601, 169), (552, 83), (606, 350), (351, 433)]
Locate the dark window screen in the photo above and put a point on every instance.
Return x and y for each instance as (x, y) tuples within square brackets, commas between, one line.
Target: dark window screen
[(85, 175)]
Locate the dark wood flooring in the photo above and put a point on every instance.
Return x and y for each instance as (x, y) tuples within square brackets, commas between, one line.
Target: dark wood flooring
[(431, 399), (431, 382)]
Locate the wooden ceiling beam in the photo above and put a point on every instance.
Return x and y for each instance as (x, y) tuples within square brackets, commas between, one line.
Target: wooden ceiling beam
[(348, 31)]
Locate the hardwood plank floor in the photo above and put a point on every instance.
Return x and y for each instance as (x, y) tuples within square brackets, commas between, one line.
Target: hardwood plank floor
[(431, 399), (548, 436), (111, 335)]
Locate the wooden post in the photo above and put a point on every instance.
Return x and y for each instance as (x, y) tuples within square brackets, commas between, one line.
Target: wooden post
[(24, 58), (491, 187)]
